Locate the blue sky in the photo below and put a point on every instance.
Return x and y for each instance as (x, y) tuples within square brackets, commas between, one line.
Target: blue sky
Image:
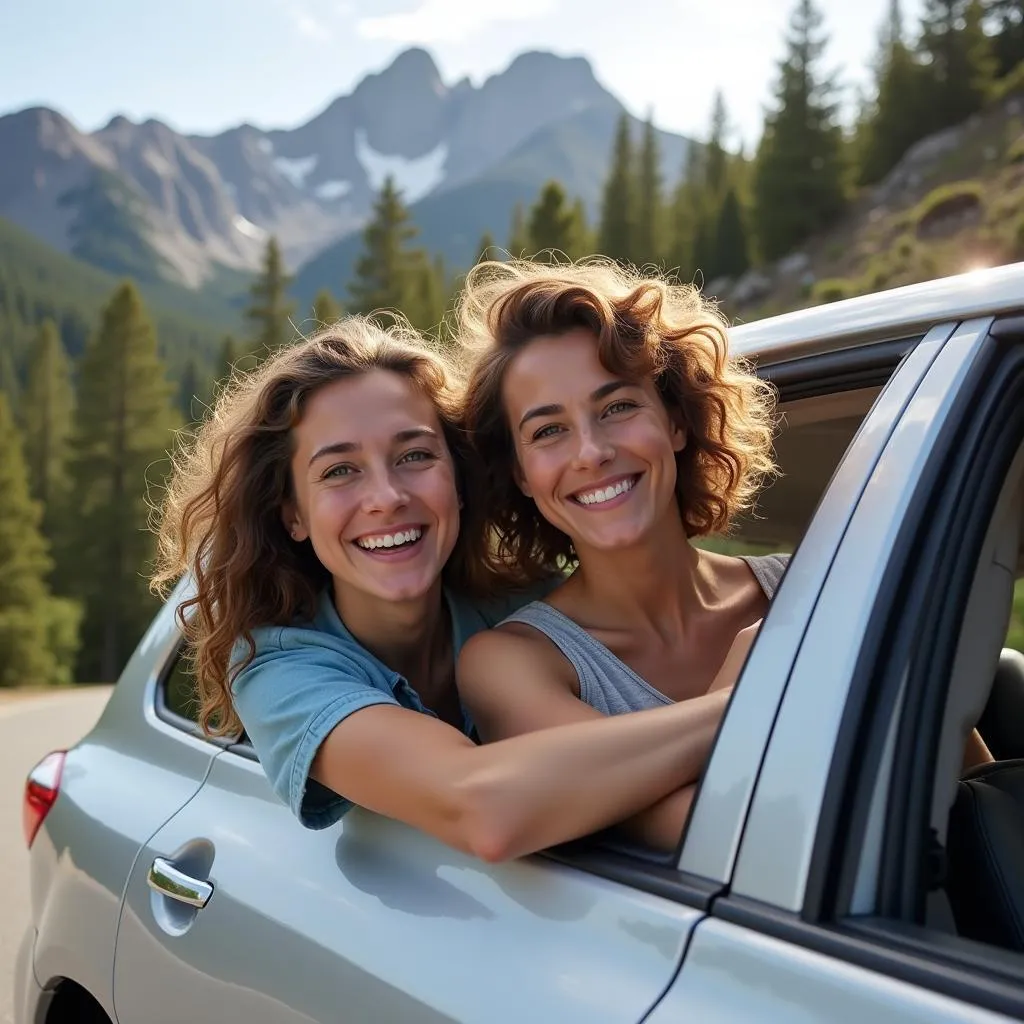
[(204, 65)]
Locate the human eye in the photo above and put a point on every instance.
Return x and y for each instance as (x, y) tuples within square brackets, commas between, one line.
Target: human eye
[(620, 405), (338, 472), (417, 455), (549, 430)]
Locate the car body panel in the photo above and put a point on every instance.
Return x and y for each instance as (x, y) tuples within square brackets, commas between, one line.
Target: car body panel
[(371, 920), (775, 853), (894, 313), (119, 784), (733, 975), (713, 837)]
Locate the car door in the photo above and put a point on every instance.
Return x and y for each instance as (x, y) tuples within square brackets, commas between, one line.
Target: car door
[(799, 931), (373, 921)]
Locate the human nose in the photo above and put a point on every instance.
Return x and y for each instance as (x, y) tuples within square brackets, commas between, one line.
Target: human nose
[(383, 492), (594, 449)]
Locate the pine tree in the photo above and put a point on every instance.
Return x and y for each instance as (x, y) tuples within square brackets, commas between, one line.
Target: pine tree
[(898, 117), (9, 383), (1008, 39), (38, 633), (189, 392), (269, 311), (425, 304), (647, 246), (46, 416), (799, 177), (123, 428), (326, 311), (731, 254), (227, 358), (716, 160), (486, 248), (551, 224), (616, 233), (518, 237), (958, 59), (687, 214), (582, 236), (385, 272)]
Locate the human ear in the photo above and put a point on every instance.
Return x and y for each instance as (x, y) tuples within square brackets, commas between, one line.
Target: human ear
[(293, 522), (677, 427)]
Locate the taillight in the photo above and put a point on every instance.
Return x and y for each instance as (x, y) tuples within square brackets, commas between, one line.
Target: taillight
[(41, 789)]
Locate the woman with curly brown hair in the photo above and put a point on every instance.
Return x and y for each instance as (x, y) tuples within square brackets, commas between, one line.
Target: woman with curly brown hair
[(320, 513), (614, 429)]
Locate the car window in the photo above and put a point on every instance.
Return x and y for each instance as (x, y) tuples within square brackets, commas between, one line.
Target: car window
[(924, 862), (178, 693)]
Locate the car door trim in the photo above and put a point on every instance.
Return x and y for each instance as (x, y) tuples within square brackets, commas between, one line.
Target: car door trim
[(975, 974)]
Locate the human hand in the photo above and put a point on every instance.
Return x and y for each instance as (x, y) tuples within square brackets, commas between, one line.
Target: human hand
[(734, 660)]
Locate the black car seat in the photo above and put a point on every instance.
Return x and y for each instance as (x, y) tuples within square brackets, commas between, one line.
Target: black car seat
[(985, 855), (1002, 722)]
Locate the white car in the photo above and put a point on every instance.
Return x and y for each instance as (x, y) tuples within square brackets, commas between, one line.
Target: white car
[(838, 865)]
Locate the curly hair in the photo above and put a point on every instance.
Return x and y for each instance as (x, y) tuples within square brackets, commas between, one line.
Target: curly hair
[(646, 327), (220, 519)]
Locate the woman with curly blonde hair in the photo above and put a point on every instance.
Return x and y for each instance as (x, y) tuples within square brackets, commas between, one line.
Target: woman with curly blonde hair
[(614, 429), (322, 514)]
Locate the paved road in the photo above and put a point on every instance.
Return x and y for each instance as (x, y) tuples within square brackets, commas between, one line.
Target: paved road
[(29, 728)]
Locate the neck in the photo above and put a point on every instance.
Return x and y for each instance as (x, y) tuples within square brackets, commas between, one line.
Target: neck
[(407, 636), (657, 584)]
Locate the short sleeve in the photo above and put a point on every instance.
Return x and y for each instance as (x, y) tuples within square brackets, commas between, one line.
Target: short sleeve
[(289, 698)]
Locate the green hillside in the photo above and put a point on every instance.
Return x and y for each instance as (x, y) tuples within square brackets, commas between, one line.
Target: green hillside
[(37, 282)]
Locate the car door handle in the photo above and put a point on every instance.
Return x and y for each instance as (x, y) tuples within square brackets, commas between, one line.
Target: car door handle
[(167, 880)]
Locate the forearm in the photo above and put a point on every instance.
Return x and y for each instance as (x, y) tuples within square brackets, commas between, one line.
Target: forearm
[(547, 787), (976, 751), (660, 825)]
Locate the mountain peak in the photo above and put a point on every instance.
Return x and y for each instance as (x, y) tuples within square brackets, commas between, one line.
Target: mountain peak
[(416, 61), (545, 62)]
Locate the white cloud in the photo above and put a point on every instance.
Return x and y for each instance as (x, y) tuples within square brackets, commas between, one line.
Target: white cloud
[(315, 20), (434, 21)]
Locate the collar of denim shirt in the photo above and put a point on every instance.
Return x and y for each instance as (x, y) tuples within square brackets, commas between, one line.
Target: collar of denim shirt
[(466, 620)]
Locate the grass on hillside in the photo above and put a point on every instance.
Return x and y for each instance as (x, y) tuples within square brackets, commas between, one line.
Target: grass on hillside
[(965, 210)]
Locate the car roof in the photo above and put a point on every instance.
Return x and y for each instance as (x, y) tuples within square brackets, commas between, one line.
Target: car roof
[(881, 316)]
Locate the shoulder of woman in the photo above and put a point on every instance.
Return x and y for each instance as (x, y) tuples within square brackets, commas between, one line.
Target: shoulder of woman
[(512, 649)]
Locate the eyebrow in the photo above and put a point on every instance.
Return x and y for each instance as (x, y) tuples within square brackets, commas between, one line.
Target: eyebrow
[(344, 447), (595, 396)]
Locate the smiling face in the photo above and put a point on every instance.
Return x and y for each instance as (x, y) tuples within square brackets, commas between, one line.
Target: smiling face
[(374, 485), (596, 452)]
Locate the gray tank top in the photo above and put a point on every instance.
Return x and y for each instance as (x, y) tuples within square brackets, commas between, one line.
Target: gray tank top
[(607, 683)]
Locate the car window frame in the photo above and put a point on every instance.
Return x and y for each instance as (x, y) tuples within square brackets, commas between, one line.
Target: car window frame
[(170, 717), (899, 945)]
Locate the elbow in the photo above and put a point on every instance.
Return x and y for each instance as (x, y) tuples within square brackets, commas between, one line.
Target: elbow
[(487, 827)]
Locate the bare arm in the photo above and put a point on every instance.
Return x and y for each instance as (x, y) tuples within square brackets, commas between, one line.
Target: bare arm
[(520, 795), (514, 684)]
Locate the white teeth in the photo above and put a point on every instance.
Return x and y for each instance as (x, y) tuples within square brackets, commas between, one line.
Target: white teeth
[(599, 496), (390, 540)]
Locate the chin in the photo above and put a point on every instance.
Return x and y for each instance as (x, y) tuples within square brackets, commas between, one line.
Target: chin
[(402, 592)]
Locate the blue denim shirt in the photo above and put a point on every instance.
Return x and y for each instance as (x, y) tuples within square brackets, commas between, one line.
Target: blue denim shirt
[(307, 677)]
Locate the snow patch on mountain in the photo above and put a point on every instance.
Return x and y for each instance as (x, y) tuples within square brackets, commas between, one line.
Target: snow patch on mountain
[(414, 178), (296, 169), (329, 190)]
